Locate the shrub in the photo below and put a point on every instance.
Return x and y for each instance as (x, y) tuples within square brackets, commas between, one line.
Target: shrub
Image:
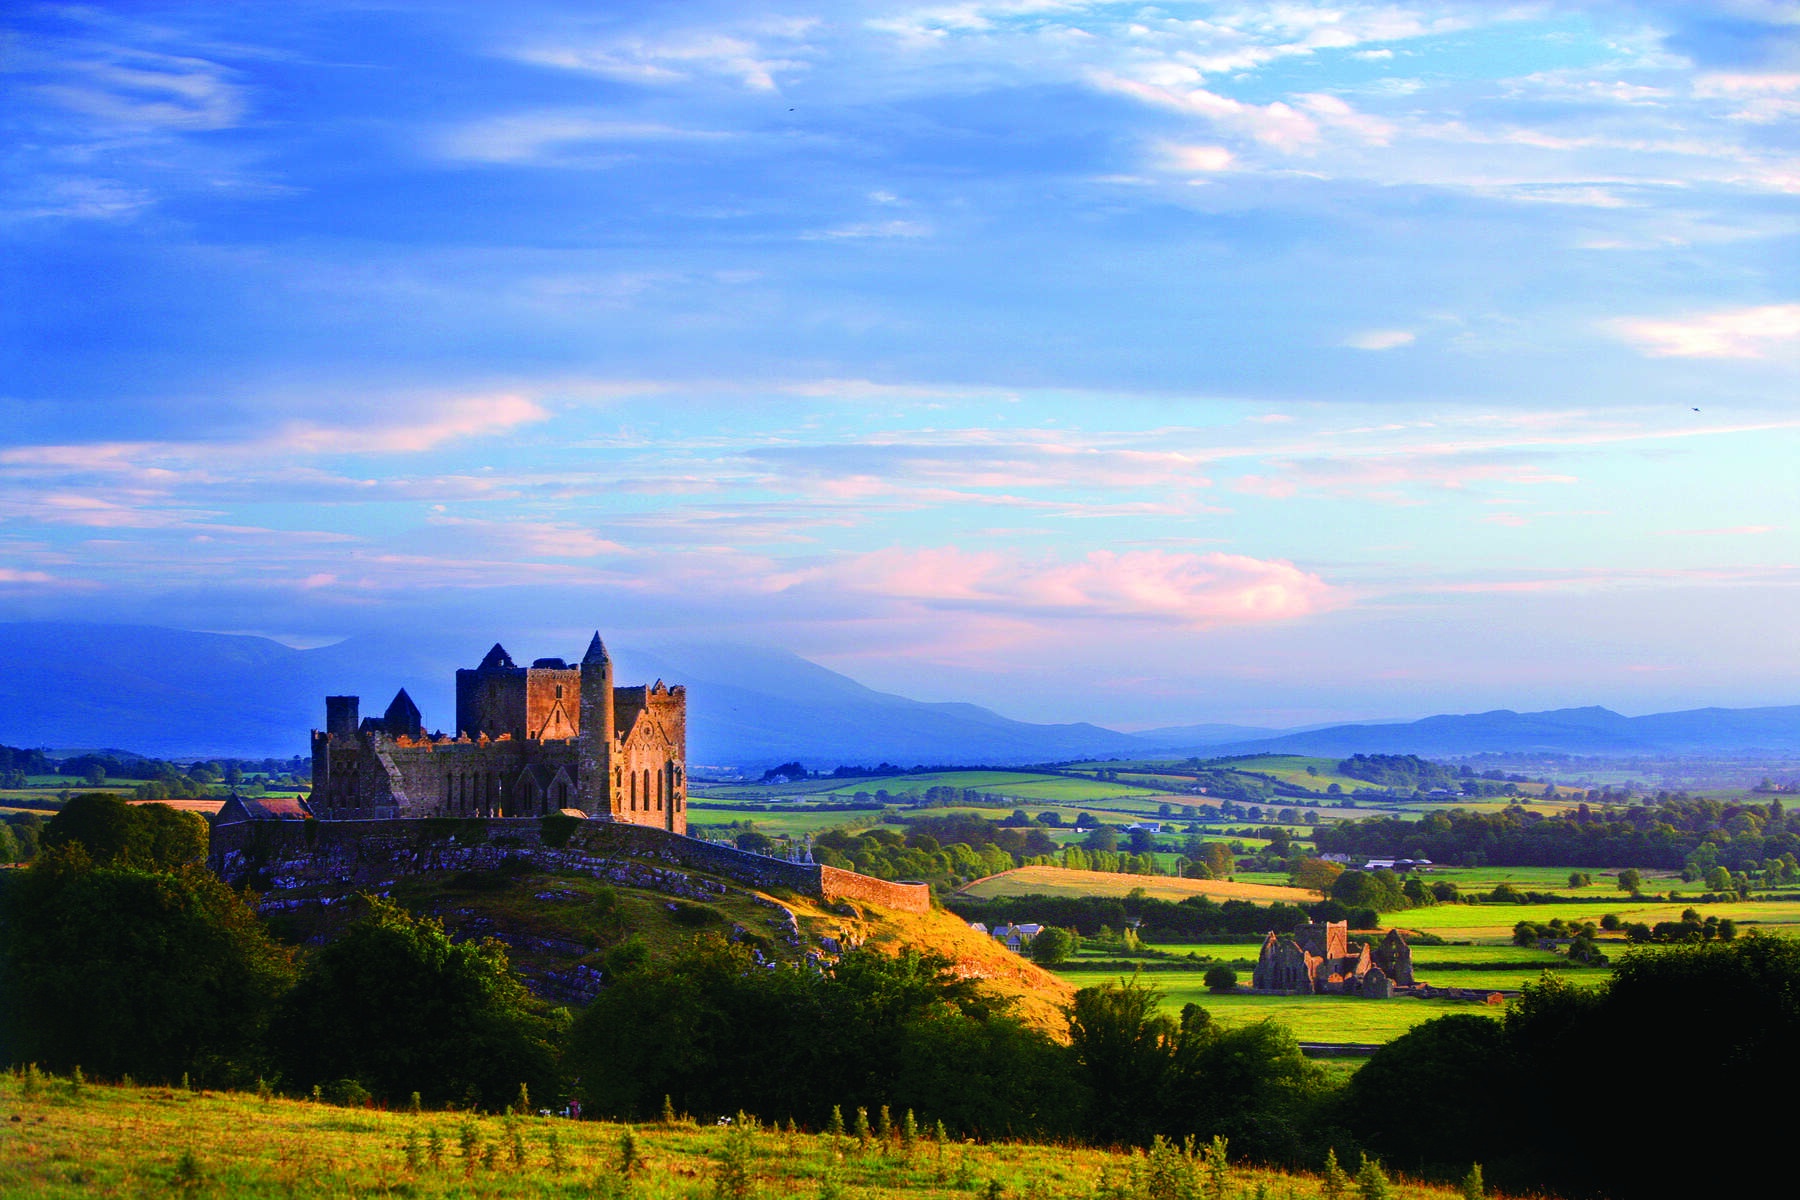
[(695, 915), (556, 830), (732, 1179)]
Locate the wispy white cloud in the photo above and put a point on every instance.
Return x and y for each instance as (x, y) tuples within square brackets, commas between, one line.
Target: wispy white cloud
[(531, 538), (756, 55), (1728, 531), (559, 138), (447, 420), (144, 89), (12, 575), (80, 198), (1198, 590), (1380, 339), (1727, 333), (1394, 477), (1276, 124), (1203, 159), (873, 229)]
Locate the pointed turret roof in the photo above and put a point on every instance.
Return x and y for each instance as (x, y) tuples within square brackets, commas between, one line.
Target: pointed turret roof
[(497, 657), (596, 651), (402, 715)]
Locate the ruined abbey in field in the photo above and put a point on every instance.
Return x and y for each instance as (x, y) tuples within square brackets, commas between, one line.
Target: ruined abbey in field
[(529, 741)]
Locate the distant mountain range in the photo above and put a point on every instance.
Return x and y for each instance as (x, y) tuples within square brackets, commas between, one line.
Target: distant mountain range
[(1584, 731), (171, 693)]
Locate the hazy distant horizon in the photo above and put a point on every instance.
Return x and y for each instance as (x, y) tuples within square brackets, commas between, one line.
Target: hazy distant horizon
[(1264, 365)]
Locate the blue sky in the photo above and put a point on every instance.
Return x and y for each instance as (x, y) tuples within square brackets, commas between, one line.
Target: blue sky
[(1139, 364)]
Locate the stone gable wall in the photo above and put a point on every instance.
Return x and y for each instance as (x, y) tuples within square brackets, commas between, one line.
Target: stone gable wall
[(549, 716)]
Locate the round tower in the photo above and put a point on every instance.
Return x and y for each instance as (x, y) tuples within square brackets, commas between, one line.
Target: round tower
[(599, 732)]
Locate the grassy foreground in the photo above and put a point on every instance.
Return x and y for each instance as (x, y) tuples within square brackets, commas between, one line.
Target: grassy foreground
[(98, 1140)]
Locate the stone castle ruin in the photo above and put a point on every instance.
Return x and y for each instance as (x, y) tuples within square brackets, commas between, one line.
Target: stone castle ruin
[(529, 741), (1319, 960), (534, 746)]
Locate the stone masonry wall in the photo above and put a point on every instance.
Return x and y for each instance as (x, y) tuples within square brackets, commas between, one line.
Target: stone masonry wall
[(368, 852), (552, 703), (838, 884)]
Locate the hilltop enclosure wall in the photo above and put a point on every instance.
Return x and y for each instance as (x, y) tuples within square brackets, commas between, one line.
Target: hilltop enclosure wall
[(375, 851)]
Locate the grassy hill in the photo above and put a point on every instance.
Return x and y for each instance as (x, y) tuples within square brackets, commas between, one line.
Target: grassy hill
[(560, 926), (127, 1141)]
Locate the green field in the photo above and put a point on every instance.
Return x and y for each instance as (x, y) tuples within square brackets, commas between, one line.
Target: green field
[(1291, 768), (1312, 1018), (1057, 881), (1496, 921), (775, 824), (1424, 956), (1512, 980), (1013, 785), (72, 786), (1546, 879)]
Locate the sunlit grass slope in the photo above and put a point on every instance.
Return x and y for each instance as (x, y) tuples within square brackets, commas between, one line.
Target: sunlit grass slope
[(554, 921), (104, 1141)]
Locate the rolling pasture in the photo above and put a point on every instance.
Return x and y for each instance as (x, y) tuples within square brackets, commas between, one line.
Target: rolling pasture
[(1044, 787), (1056, 881)]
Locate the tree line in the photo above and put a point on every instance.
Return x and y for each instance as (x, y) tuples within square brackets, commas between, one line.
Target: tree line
[(1662, 834), (1194, 918), (160, 780)]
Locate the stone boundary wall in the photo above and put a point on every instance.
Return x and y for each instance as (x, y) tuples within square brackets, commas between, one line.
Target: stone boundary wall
[(366, 850), (838, 884)]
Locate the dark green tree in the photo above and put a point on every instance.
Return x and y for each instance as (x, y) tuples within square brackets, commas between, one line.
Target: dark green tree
[(112, 832), (1128, 1055), (1252, 1086), (396, 1005), (1734, 1006), (1051, 946), (1394, 1097), (122, 970), (873, 1029), (1380, 890)]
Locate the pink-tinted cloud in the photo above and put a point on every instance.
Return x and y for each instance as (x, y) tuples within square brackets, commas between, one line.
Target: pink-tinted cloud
[(1380, 339), (1197, 590), (1728, 333), (1728, 531), (1385, 477), (1201, 159), (529, 538), (467, 416), (1277, 124)]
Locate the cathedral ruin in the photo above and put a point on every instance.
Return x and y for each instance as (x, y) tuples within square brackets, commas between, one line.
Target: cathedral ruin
[(1318, 960), (529, 741)]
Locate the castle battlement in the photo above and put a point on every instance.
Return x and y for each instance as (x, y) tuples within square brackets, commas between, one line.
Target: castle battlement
[(528, 741)]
